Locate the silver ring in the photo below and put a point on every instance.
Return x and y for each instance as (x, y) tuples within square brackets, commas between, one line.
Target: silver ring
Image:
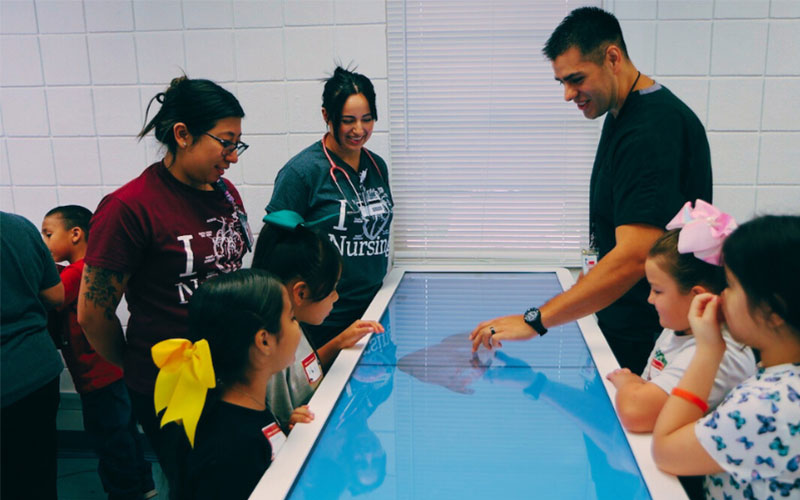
[(491, 330)]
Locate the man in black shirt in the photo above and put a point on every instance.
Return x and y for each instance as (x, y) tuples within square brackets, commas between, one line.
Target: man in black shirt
[(653, 156)]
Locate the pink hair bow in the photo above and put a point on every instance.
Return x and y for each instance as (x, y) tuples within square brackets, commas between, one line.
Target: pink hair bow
[(703, 230)]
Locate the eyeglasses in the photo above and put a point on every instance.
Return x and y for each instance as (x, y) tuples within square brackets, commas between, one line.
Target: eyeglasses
[(229, 147)]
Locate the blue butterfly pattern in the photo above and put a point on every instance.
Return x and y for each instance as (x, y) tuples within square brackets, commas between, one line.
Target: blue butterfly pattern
[(793, 463), (766, 424), (712, 422), (778, 446), (737, 418), (720, 442), (793, 395), (794, 429), (768, 461), (747, 444)]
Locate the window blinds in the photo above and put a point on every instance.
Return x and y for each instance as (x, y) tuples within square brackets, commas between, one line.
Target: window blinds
[(488, 161)]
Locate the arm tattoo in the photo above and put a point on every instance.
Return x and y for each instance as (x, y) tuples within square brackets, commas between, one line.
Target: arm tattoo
[(102, 286)]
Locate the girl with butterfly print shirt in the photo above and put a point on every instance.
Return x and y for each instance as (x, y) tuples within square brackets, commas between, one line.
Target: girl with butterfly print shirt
[(749, 447)]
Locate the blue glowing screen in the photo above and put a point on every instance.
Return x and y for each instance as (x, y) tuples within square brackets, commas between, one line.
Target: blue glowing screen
[(422, 417)]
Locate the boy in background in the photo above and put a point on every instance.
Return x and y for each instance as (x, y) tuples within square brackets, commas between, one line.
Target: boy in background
[(107, 414)]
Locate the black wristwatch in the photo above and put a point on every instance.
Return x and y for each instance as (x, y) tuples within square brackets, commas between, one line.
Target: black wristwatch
[(533, 317)]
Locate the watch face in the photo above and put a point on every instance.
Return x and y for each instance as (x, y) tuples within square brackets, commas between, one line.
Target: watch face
[(531, 315)]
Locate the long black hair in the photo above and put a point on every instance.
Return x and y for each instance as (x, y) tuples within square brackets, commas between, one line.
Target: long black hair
[(227, 311), (199, 104), (299, 253), (761, 254), (338, 88)]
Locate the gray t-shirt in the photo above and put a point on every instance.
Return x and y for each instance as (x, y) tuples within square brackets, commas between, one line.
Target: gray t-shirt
[(360, 210), (28, 357)]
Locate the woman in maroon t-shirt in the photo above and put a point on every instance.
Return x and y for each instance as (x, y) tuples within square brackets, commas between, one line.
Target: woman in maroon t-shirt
[(158, 237)]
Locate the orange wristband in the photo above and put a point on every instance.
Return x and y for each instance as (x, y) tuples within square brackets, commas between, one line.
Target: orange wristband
[(690, 397)]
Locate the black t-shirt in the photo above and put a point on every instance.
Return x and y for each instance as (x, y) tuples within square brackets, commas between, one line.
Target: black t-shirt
[(360, 231), (652, 158), (230, 453)]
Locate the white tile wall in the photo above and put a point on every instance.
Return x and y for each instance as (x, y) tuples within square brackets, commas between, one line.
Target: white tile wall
[(210, 54), (112, 58), (17, 16), (640, 39), (781, 104), (160, 56), (685, 9), (5, 175), (734, 156), (750, 40), (369, 57), (60, 16), (739, 201), (735, 104), (779, 158), (359, 11), (157, 15), (78, 161), (71, 111), (316, 45), (21, 63), (76, 76), (65, 59), (207, 14), (108, 15), (24, 111), (117, 110), (305, 107), (783, 51), (30, 161), (265, 14), (737, 9), (307, 12), (121, 159), (264, 106), (777, 200), (259, 54), (785, 8), (683, 47)]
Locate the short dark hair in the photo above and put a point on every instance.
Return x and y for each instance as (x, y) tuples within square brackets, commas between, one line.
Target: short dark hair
[(761, 254), (73, 216), (686, 269), (227, 310), (198, 103), (591, 30), (300, 253), (338, 88)]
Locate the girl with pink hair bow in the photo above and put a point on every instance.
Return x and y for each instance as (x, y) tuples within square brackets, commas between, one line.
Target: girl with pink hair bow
[(682, 264)]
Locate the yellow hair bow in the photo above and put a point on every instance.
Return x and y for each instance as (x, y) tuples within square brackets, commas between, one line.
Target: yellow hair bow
[(185, 376)]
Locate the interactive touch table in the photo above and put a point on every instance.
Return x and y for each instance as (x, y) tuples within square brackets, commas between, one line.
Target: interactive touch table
[(413, 413)]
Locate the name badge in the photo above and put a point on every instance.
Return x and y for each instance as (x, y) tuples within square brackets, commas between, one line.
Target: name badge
[(312, 368), (588, 259), (275, 436)]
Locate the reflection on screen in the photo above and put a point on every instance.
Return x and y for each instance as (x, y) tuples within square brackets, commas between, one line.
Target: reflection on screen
[(422, 417)]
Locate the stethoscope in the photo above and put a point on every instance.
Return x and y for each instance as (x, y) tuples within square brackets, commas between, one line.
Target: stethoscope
[(335, 167)]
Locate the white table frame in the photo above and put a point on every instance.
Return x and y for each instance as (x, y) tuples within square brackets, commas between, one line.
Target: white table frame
[(279, 478)]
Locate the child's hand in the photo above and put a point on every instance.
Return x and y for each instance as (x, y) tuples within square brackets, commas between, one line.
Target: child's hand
[(623, 376), (356, 332), (300, 415), (704, 321)]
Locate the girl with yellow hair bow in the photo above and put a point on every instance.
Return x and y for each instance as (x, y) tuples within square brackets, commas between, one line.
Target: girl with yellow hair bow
[(244, 331)]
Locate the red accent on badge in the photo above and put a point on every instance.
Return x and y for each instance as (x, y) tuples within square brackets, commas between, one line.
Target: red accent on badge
[(271, 430), (657, 364)]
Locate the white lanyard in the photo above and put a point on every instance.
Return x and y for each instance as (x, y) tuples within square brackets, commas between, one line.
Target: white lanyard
[(335, 167)]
